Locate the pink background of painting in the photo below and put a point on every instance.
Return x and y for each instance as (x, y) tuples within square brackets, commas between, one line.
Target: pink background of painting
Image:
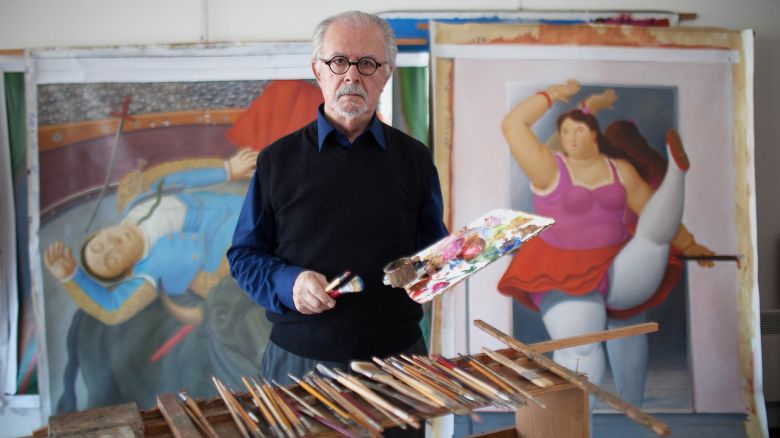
[(482, 168)]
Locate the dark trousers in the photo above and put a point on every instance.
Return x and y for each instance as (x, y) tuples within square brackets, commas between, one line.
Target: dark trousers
[(278, 362)]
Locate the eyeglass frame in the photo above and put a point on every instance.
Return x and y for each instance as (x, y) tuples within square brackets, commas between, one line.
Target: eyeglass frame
[(351, 63)]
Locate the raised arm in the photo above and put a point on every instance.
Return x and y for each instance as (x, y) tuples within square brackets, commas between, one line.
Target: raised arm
[(183, 174), (533, 157)]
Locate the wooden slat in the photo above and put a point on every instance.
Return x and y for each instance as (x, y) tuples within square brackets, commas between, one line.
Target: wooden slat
[(178, 421), (121, 420)]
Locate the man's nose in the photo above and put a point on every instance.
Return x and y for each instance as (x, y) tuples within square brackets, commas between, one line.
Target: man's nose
[(352, 74)]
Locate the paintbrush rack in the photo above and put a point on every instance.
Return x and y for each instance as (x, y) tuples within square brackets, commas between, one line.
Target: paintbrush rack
[(565, 411), (157, 422)]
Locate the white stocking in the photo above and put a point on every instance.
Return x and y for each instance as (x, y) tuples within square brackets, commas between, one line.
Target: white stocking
[(628, 360), (569, 315)]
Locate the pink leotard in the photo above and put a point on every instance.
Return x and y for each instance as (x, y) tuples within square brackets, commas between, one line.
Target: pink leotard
[(584, 218)]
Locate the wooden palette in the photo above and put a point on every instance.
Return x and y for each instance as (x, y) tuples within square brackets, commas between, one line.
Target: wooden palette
[(438, 268)]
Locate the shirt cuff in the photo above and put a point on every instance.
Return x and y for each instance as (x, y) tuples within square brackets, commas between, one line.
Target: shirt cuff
[(285, 280)]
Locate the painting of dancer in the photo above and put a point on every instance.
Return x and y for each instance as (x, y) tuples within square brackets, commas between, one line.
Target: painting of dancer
[(614, 252)]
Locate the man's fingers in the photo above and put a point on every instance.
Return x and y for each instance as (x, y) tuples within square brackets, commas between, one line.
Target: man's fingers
[(318, 301), (309, 295), (305, 310), (309, 304)]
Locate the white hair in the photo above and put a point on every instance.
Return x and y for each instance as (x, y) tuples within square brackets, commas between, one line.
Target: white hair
[(357, 19)]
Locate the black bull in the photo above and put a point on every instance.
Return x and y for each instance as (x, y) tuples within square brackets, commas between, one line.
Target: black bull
[(116, 360)]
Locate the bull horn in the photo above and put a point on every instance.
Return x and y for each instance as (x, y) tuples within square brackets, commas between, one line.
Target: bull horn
[(183, 314)]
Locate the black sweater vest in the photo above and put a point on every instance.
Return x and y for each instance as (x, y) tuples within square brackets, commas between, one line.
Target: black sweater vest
[(353, 209)]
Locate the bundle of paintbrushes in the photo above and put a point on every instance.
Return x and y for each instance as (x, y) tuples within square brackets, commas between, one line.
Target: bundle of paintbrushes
[(401, 391), (344, 285), (392, 392)]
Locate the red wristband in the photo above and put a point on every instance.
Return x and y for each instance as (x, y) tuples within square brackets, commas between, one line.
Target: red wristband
[(546, 96)]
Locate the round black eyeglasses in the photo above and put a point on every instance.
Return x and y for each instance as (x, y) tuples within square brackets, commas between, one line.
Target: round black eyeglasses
[(365, 66)]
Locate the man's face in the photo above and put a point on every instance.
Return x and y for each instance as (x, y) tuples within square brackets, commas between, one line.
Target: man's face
[(351, 94), (113, 250)]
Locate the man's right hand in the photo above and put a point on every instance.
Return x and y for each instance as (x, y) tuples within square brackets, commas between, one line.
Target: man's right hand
[(309, 294), (59, 260)]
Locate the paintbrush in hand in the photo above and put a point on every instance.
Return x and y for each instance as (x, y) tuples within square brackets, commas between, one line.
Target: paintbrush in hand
[(352, 286), (337, 281)]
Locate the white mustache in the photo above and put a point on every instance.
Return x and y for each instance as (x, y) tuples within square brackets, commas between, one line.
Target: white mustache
[(351, 89)]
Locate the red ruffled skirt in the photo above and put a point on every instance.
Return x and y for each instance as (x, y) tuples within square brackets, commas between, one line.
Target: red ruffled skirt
[(538, 267)]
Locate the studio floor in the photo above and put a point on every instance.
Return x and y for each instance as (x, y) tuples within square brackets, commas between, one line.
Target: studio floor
[(620, 426)]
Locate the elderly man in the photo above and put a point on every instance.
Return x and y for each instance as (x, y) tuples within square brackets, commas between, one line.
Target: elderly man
[(345, 192)]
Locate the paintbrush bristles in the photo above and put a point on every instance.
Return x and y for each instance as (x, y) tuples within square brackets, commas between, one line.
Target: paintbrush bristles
[(354, 285)]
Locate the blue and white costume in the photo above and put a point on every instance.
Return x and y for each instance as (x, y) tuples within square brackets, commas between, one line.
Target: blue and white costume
[(185, 233)]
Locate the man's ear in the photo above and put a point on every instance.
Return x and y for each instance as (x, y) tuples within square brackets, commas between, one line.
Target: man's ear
[(389, 73), (314, 70)]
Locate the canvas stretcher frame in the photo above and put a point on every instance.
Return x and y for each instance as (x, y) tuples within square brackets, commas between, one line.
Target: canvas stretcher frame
[(452, 43)]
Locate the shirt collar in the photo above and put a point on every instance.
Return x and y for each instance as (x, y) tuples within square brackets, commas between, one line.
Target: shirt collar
[(324, 128)]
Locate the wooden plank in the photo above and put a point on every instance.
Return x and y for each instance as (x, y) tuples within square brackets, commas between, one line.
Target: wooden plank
[(574, 341), (178, 421), (119, 421), (590, 338)]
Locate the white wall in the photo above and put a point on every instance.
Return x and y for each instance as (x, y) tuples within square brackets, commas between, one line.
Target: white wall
[(56, 23)]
